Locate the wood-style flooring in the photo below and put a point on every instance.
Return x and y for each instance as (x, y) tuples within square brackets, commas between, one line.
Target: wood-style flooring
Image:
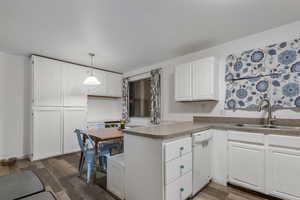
[(60, 175)]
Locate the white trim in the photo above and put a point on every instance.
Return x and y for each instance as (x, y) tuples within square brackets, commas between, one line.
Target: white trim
[(140, 76)]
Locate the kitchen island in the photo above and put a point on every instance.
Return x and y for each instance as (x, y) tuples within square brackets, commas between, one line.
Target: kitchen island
[(154, 157)]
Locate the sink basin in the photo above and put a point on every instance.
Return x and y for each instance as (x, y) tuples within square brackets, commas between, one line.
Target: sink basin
[(269, 127)]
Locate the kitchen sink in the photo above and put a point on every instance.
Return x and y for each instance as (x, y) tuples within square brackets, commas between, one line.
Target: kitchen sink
[(269, 126)]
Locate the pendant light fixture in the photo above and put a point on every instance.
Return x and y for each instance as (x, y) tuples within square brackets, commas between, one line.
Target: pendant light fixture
[(91, 80)]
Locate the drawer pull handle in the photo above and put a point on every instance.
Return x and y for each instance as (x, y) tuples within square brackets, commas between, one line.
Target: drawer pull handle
[(181, 189), (181, 166), (181, 148)]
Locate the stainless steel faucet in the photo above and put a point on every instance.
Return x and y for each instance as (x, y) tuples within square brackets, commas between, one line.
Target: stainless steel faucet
[(269, 106)]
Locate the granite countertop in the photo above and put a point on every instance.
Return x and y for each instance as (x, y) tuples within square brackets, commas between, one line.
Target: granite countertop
[(176, 129)]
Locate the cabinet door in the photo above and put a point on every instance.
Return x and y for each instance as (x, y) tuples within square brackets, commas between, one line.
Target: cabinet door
[(47, 132), (113, 84), (98, 90), (247, 165), (183, 82), (74, 118), (47, 81), (283, 173), (74, 90), (220, 156), (203, 79)]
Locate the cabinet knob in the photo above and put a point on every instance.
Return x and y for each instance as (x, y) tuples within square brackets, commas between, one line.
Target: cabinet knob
[(181, 166), (181, 189), (181, 148)]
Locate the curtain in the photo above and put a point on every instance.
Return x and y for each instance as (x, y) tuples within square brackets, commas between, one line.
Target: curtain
[(155, 96), (271, 72), (125, 95)]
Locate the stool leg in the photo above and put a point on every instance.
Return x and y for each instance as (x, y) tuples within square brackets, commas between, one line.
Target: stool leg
[(81, 166), (80, 161)]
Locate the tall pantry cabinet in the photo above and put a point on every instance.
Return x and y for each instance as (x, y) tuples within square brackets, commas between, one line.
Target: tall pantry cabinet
[(59, 105)]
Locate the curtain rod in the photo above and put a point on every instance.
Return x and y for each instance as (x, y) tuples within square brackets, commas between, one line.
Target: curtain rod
[(143, 73), (88, 66)]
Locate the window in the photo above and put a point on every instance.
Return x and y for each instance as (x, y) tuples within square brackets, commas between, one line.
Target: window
[(139, 98)]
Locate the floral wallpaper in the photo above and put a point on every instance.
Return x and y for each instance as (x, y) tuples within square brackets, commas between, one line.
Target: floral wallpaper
[(272, 72)]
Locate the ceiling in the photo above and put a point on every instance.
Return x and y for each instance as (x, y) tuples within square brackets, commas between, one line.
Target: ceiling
[(126, 34)]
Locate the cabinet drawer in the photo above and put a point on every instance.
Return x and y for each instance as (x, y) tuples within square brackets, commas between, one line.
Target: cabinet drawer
[(246, 137), (177, 168), (180, 189), (178, 148), (284, 141)]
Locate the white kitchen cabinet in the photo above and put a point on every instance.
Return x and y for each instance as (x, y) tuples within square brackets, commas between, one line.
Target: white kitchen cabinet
[(183, 82), (247, 165), (174, 169), (283, 164), (196, 81), (74, 92), (220, 156), (181, 189), (47, 132), (178, 148), (98, 90), (204, 76), (47, 82), (113, 84), (169, 164), (74, 118)]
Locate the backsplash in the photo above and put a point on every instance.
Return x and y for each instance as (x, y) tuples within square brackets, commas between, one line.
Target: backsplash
[(272, 72)]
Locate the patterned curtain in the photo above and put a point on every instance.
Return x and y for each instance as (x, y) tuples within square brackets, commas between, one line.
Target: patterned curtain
[(125, 95), (271, 72), (155, 97)]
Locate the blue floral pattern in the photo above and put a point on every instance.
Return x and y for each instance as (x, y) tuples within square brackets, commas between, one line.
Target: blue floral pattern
[(257, 56), (271, 72), (287, 95), (278, 58), (244, 94), (287, 57)]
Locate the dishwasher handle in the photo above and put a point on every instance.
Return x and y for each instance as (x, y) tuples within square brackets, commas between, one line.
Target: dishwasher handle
[(200, 138)]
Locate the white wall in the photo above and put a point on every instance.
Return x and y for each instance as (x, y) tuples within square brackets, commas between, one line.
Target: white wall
[(14, 106), (104, 109), (185, 111)]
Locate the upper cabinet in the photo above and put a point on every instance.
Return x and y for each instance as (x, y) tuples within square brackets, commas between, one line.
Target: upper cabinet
[(74, 92), (47, 82), (183, 82), (111, 84), (98, 90), (57, 83), (114, 84), (196, 81)]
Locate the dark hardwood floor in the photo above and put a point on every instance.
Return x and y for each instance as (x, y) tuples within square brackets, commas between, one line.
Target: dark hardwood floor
[(60, 176)]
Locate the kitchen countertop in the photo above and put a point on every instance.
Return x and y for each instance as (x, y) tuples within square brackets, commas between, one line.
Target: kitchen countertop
[(176, 129)]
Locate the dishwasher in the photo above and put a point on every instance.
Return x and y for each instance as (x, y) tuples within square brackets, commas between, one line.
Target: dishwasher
[(202, 161)]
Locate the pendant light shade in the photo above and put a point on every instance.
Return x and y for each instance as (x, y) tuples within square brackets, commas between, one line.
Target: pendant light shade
[(91, 80)]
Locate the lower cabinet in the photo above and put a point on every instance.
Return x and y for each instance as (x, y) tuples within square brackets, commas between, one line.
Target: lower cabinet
[(283, 167), (284, 173), (53, 128), (74, 118), (178, 174), (265, 163), (181, 188), (247, 165), (47, 132)]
